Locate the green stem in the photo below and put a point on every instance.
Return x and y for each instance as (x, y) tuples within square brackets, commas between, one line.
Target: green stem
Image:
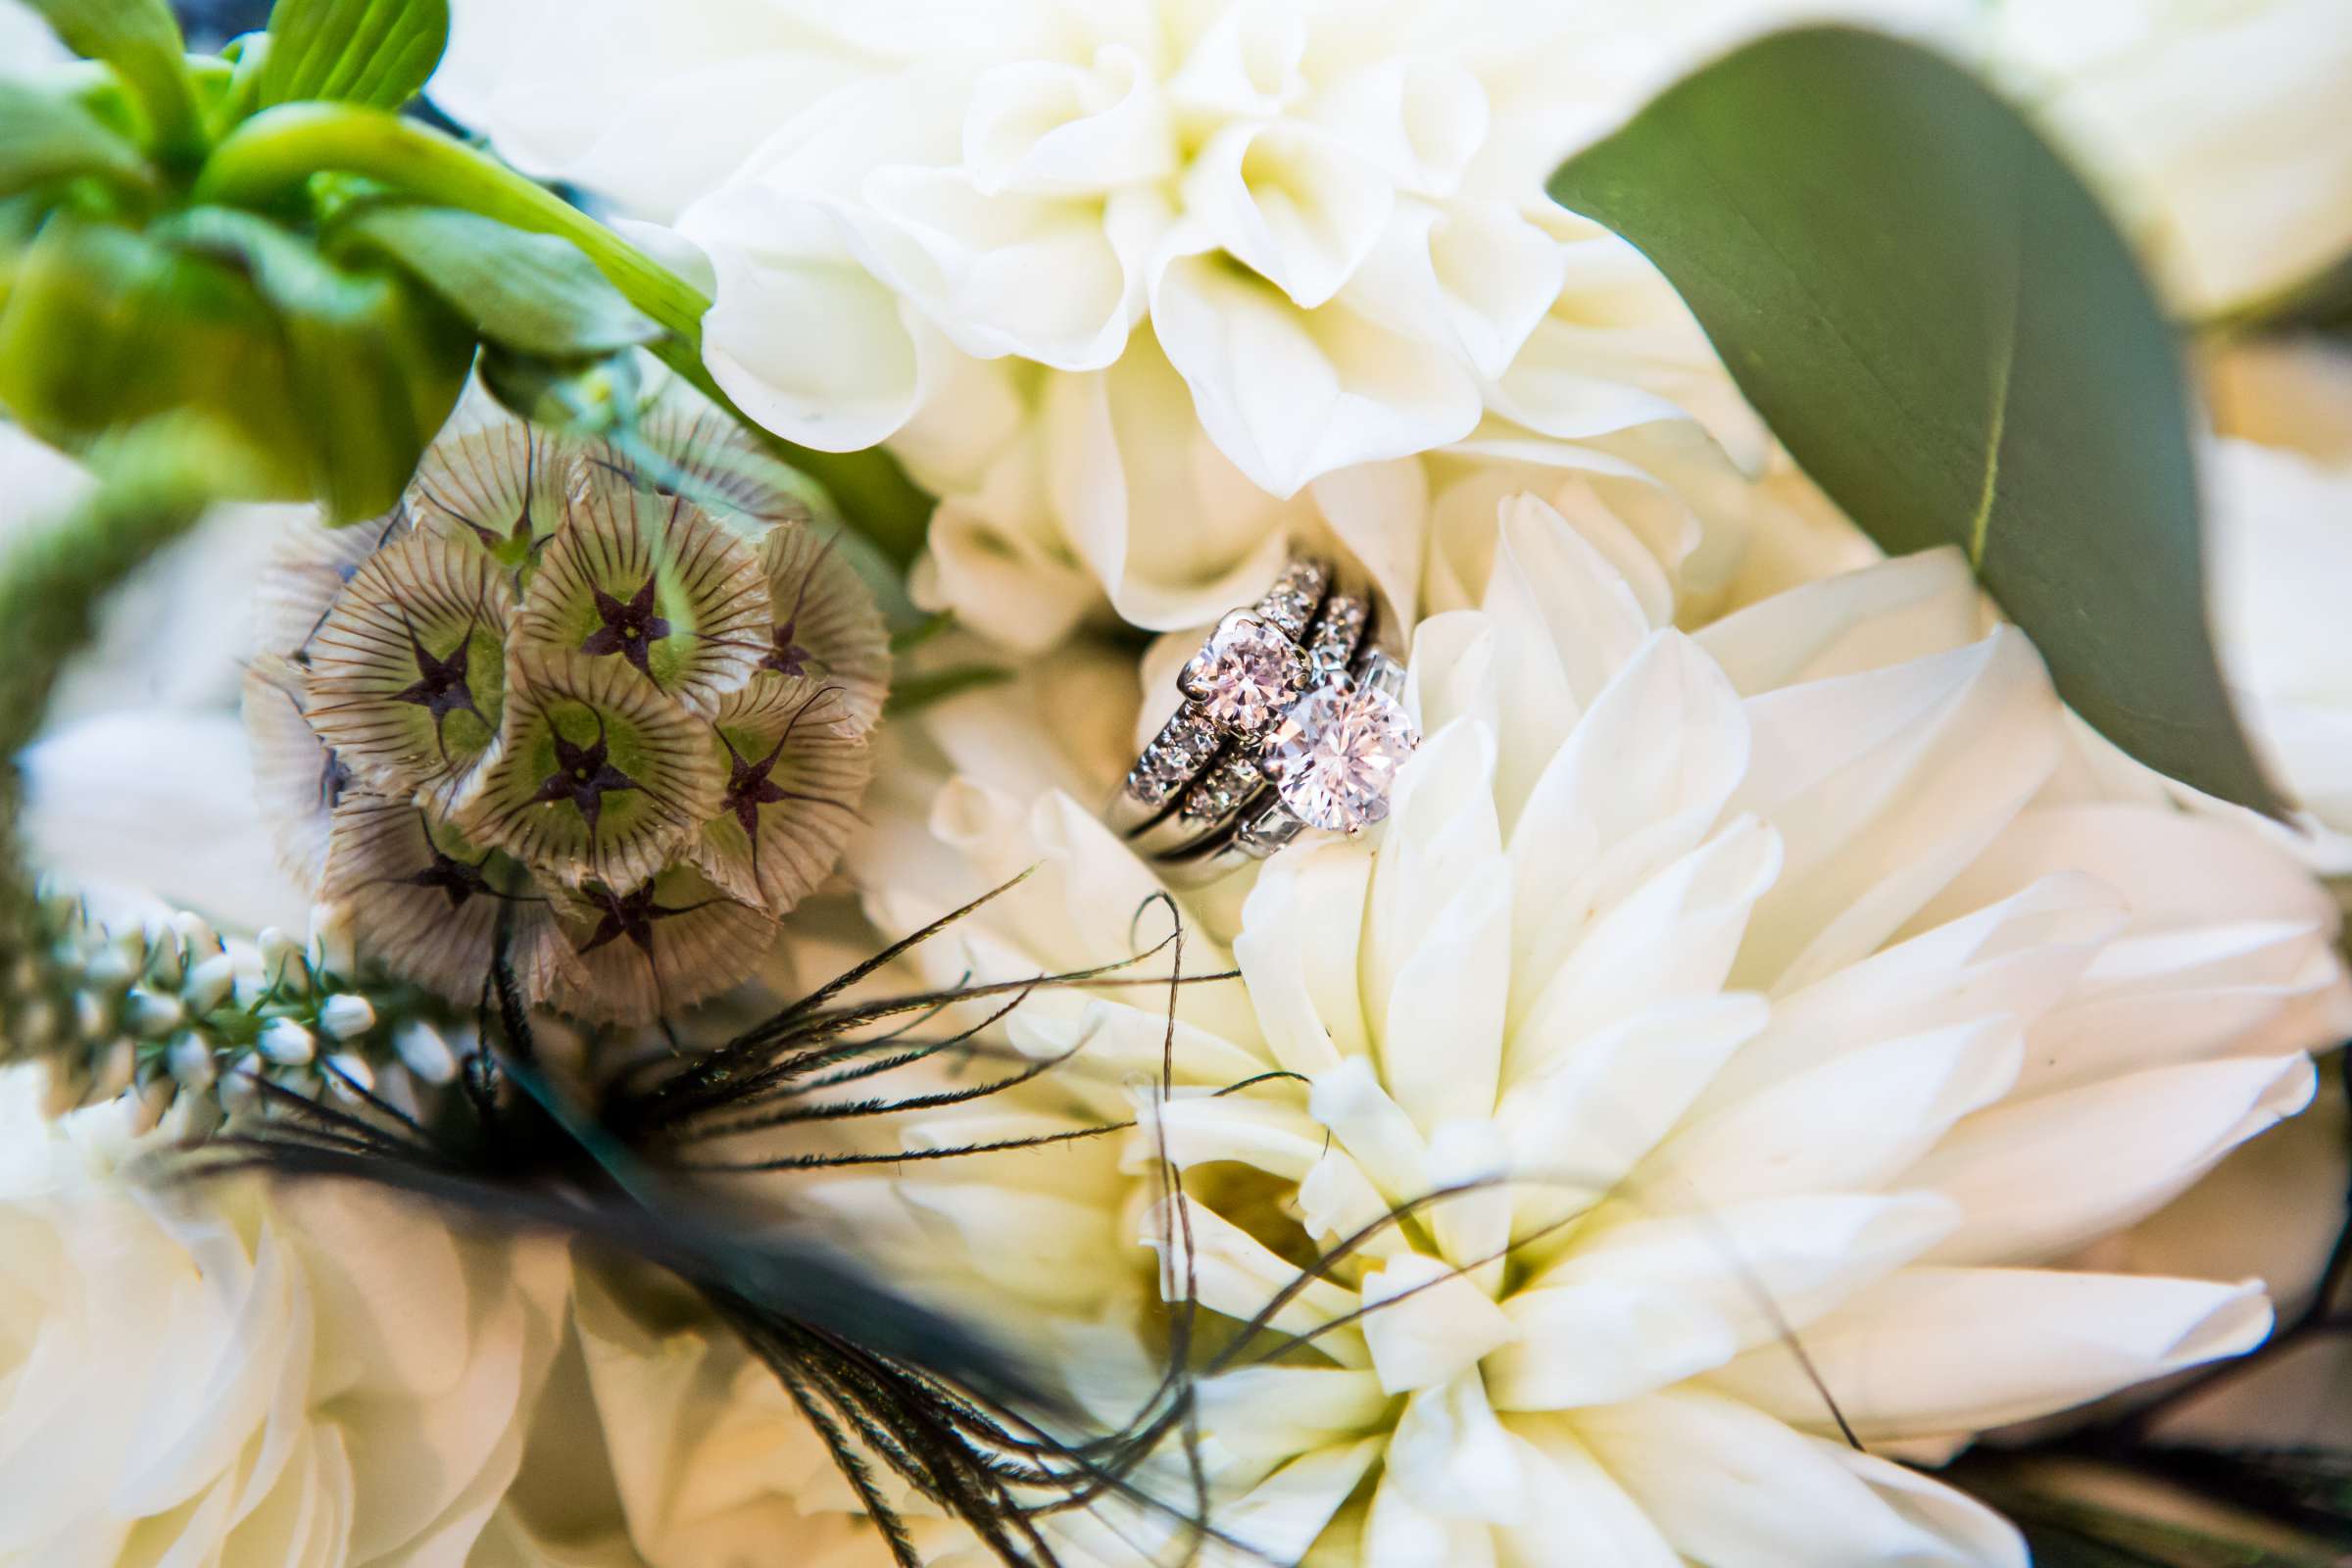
[(274, 152)]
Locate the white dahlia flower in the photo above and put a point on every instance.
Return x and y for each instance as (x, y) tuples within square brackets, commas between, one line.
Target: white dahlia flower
[(315, 1376), (2216, 130), (1778, 983), (2278, 482)]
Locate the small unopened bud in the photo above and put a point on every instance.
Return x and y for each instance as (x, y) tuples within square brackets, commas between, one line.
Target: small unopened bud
[(151, 1014), (190, 1060), (90, 1020), (286, 1044), (36, 1025), (110, 968), (167, 961), (424, 1051), (332, 948), (242, 1087), (282, 962), (350, 1074), (210, 983), (196, 933), (25, 976), (346, 1016), (145, 1103), (117, 1065)]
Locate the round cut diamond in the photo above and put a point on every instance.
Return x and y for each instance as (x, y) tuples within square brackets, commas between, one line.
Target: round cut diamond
[(1245, 675), (1336, 753)]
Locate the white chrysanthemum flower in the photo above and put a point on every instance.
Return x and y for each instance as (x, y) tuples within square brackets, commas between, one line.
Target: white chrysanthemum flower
[(2218, 129), (1781, 980), (318, 1377)]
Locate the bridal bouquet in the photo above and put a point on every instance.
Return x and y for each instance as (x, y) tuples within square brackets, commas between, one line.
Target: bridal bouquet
[(1209, 782)]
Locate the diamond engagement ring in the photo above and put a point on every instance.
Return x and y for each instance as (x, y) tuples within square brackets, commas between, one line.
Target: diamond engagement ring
[(1290, 721)]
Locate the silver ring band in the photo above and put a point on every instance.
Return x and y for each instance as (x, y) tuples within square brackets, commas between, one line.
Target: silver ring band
[(1289, 721)]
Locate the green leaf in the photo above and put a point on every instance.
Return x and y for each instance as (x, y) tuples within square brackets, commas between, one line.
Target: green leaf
[(532, 293), (375, 52), (374, 365), (103, 329), (44, 136), (1948, 334), (142, 41)]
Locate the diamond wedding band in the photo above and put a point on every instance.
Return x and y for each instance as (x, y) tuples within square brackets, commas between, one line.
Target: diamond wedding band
[(1290, 721)]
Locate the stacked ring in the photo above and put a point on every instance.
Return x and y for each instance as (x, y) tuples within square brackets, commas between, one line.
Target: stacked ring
[(1290, 721)]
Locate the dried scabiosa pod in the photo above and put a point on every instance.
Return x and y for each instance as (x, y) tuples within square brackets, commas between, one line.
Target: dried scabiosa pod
[(604, 712)]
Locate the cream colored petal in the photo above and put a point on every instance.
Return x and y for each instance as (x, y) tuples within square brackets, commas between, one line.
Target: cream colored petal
[(1591, 1114), (1673, 937), (1230, 1272), (1577, 1512), (1858, 622), (1806, 1503), (1294, 204), (1640, 779), (1935, 1350), (1290, 394), (2017, 957), (1651, 1301), (1883, 787), (1853, 1122), (1452, 1457), (2032, 1187), (1427, 1324), (1047, 127), (1271, 1412), (1418, 117), (802, 336)]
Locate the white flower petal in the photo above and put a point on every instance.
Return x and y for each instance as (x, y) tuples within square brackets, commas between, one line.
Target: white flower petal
[(1883, 786), (1293, 204), (1427, 1324), (1290, 394), (1420, 118), (1935, 1350), (2043, 1175), (800, 335), (1856, 621), (1803, 1503), (1651, 1301), (1244, 63), (1046, 127), (1854, 1121), (1642, 778), (1452, 1457)]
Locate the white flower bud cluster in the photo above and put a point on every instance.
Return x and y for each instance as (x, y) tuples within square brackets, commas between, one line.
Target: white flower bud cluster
[(155, 1008)]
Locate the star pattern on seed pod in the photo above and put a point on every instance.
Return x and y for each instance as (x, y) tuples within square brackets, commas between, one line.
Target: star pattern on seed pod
[(600, 710)]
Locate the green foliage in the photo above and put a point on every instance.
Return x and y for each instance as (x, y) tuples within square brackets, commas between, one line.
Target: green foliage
[(531, 293), (141, 41), (374, 52), (1947, 333), (46, 136)]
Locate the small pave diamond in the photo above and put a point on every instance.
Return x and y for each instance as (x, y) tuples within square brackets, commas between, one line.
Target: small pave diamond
[(1340, 627), (1221, 790), (1291, 603), (1245, 675), (1336, 754), (1175, 754)]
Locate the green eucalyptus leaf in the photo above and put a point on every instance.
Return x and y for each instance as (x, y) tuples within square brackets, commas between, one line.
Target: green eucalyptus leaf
[(1949, 335), (44, 136), (374, 362), (142, 41), (532, 293), (375, 52)]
